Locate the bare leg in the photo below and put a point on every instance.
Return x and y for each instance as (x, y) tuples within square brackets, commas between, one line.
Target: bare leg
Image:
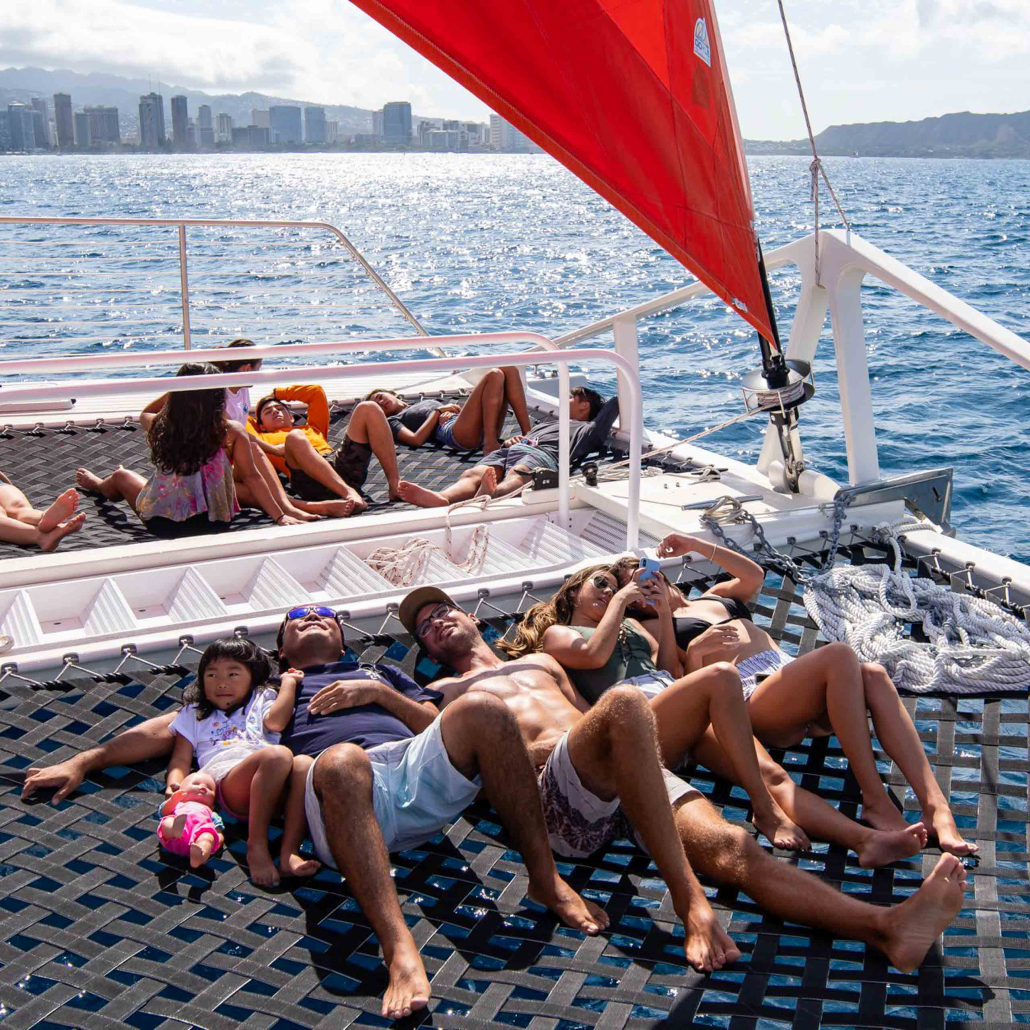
[(295, 824), (466, 487), (368, 425), (482, 739), (900, 740), (254, 788), (18, 508), (203, 848), (512, 481), (301, 455), (713, 696), (515, 395), (480, 416), (149, 739), (343, 785), (904, 932), (14, 531), (815, 816), (247, 498), (120, 485), (614, 750), (826, 685)]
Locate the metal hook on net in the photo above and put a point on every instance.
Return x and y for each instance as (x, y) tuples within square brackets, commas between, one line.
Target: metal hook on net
[(37, 430), (71, 662), (100, 426), (68, 428), (185, 644), (130, 652), (10, 669), (391, 613), (343, 616), (483, 594), (527, 587), (127, 423), (7, 434)]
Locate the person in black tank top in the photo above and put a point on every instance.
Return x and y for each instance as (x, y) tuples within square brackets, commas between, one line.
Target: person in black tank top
[(827, 691)]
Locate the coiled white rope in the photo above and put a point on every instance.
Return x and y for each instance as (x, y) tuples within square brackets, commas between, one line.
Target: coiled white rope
[(405, 566), (974, 646)]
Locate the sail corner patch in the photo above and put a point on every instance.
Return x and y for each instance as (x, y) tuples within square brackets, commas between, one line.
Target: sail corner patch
[(702, 48)]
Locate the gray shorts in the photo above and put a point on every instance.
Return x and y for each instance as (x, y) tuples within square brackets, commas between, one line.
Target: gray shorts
[(763, 664), (416, 792), (578, 821)]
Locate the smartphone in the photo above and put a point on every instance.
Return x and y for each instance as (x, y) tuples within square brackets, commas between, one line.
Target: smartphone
[(650, 567)]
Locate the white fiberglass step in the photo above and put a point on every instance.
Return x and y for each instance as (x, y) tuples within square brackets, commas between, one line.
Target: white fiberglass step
[(81, 609), (251, 584), (170, 595), (346, 575), (18, 618), (609, 533), (546, 544)]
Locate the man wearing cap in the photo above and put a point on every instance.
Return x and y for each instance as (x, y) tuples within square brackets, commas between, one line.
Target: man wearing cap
[(388, 774), (590, 759)]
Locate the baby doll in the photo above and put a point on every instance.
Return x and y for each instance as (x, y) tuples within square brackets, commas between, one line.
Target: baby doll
[(189, 825)]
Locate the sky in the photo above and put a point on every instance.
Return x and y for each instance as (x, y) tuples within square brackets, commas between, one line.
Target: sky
[(860, 60)]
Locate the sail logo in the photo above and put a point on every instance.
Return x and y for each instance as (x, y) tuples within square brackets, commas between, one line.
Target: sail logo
[(702, 48)]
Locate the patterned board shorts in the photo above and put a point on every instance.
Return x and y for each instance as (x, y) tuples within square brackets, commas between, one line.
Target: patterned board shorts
[(578, 821), (763, 664)]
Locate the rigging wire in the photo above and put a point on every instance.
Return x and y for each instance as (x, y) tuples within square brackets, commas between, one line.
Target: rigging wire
[(816, 167)]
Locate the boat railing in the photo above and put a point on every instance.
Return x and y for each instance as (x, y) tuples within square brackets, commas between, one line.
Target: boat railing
[(844, 260), (631, 407), (180, 227)]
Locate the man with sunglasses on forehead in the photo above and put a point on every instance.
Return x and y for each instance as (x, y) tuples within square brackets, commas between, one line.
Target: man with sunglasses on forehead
[(389, 773), (590, 760)]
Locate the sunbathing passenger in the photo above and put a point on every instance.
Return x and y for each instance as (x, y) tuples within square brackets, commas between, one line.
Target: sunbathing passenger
[(377, 735), (827, 691), (585, 760), (584, 628), (194, 448), (511, 466), (231, 721), (305, 456), (20, 523), (470, 426)]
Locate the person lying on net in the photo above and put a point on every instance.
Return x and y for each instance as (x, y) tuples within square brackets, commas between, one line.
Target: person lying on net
[(375, 736), (195, 450), (305, 456), (591, 759), (825, 692), (476, 423), (511, 466), (20, 523), (587, 626)]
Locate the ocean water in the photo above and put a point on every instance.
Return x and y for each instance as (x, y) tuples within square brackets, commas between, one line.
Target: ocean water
[(476, 243)]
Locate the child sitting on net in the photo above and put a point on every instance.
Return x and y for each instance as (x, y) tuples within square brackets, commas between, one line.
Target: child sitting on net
[(189, 824), (231, 719)]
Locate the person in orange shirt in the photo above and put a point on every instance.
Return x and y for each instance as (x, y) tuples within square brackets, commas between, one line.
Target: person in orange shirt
[(305, 456)]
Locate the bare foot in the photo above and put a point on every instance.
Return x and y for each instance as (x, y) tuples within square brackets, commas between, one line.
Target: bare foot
[(62, 508), (948, 837), (415, 494), (783, 833), (488, 484), (569, 907), (408, 990), (707, 945), (300, 514), (883, 815), (295, 864), (882, 847), (201, 851), (91, 484), (262, 869), (48, 541), (913, 926)]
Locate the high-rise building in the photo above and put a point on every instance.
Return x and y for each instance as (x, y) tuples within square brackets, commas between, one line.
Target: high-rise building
[(223, 125), (377, 126), (285, 123), (63, 120), (397, 122), (180, 123), (332, 132), (151, 121), (5, 131), (83, 137), (39, 132), (261, 119), (315, 125), (205, 129), (103, 124), (502, 133), (250, 135), (39, 105), (21, 127)]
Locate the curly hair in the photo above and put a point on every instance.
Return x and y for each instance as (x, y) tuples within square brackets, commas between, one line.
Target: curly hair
[(529, 634), (233, 649), (190, 428)]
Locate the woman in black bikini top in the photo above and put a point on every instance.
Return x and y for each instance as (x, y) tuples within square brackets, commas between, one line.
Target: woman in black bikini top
[(827, 691)]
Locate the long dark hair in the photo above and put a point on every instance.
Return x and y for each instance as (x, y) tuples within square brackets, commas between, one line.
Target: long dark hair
[(190, 428), (235, 649)]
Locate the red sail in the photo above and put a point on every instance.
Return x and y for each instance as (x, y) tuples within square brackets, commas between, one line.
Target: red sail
[(630, 95)]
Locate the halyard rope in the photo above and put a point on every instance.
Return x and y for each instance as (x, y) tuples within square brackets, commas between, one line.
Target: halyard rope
[(974, 646)]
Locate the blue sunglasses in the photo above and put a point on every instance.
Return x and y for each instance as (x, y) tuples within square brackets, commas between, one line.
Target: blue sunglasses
[(309, 609)]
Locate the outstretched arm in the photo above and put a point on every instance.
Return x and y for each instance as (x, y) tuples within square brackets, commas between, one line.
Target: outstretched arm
[(747, 575), (149, 739)]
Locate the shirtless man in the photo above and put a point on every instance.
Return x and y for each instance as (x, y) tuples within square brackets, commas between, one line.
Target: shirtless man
[(611, 746)]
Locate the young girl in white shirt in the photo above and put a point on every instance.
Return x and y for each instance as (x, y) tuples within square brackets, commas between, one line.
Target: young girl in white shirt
[(231, 719)]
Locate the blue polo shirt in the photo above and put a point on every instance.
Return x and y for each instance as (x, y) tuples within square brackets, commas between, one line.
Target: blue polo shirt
[(365, 725)]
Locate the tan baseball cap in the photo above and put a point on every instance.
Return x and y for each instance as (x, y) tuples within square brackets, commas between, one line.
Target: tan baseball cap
[(416, 600)]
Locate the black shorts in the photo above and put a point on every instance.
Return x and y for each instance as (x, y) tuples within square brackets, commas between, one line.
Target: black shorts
[(350, 460), (168, 529)]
